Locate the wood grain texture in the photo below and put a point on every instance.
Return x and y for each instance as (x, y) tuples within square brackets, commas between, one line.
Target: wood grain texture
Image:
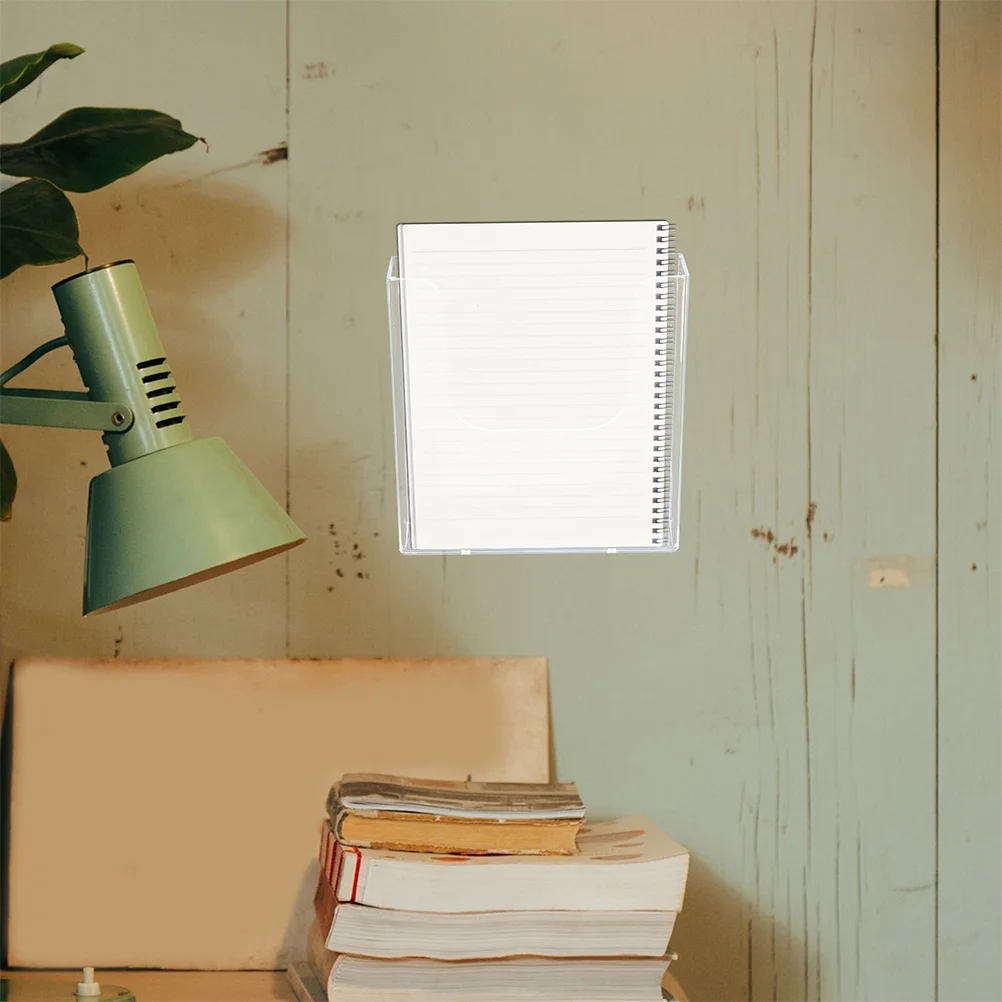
[(970, 503), (870, 652), (795, 145), (183, 799)]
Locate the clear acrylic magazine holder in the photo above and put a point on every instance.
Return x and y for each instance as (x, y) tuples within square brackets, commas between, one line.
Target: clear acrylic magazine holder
[(668, 343)]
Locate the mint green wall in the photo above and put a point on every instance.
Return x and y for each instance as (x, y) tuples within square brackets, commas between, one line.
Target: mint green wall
[(803, 694)]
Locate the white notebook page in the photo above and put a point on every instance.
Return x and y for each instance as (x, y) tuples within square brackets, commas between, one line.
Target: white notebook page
[(529, 383)]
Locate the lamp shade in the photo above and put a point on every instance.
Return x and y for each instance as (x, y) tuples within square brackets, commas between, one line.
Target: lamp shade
[(176, 517)]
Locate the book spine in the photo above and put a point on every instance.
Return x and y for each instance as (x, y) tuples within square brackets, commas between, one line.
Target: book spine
[(334, 801), (665, 293), (322, 962), (341, 865)]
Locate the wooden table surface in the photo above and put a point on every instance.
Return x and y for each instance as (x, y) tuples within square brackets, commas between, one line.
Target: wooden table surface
[(209, 986), (184, 986)]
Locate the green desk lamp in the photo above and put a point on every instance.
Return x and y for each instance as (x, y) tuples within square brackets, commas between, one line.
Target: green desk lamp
[(172, 510)]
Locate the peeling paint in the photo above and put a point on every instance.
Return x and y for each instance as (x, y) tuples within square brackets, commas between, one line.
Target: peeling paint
[(902, 571), (788, 549)]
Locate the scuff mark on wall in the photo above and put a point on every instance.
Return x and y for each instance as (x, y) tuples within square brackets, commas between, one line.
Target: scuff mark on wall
[(318, 70), (274, 155), (897, 571)]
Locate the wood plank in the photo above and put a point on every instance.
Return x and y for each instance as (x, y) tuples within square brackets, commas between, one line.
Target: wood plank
[(182, 800), (970, 503), (207, 230), (602, 110), (869, 596)]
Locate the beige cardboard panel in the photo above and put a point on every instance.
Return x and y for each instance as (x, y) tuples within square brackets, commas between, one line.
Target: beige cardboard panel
[(167, 813)]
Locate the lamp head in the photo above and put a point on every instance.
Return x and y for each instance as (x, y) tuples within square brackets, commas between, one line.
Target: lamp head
[(172, 510)]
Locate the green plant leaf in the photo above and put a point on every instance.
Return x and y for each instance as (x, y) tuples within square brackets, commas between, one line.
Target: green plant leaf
[(87, 148), (8, 484), (16, 74), (37, 226)]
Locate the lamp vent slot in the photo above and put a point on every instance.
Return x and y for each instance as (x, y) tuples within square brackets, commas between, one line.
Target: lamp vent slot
[(158, 385)]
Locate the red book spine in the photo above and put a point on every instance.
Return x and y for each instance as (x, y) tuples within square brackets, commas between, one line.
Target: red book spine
[(334, 857)]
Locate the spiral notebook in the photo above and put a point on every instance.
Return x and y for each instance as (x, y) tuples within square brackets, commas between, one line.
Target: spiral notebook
[(538, 375)]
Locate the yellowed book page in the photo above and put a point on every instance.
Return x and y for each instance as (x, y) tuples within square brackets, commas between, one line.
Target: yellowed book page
[(182, 800)]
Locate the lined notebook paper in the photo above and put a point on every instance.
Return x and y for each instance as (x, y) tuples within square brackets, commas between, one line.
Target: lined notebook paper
[(536, 391)]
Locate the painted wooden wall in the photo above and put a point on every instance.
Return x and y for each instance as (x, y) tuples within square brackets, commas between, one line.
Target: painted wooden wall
[(808, 693)]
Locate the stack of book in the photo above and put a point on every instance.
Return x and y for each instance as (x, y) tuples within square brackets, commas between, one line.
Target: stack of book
[(476, 892)]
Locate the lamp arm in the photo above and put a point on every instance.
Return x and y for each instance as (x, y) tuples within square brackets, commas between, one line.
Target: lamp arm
[(57, 408), (63, 409)]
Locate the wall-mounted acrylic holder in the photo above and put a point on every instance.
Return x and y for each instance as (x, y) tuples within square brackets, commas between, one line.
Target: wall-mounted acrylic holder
[(667, 345)]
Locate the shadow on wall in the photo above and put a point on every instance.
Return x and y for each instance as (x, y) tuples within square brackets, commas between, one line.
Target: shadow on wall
[(192, 240), (297, 928), (713, 913), (189, 239)]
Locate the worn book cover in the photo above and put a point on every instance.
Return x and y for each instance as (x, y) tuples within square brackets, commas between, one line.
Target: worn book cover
[(447, 798), (413, 815)]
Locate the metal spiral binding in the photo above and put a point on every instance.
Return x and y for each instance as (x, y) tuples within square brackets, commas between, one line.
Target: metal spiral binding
[(665, 293)]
